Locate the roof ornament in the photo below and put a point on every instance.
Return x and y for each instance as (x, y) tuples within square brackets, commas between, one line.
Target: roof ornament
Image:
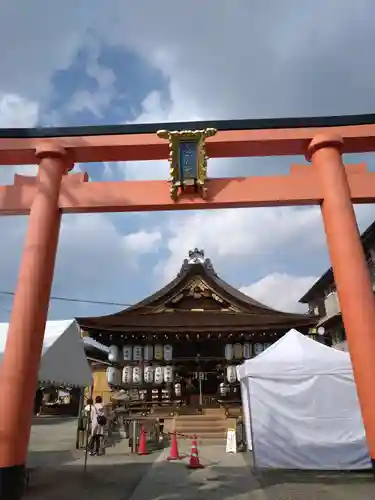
[(196, 256)]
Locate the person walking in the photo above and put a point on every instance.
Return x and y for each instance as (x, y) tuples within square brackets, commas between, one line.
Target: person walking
[(98, 421)]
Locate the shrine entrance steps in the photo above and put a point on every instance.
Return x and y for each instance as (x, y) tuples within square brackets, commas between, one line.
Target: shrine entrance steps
[(210, 426)]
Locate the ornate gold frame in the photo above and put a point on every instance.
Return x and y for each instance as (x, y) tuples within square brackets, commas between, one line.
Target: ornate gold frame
[(175, 138)]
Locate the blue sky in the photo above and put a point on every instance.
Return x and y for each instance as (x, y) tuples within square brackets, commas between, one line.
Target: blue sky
[(125, 62)]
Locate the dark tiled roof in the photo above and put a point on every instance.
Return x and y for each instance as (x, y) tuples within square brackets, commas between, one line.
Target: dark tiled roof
[(253, 313)]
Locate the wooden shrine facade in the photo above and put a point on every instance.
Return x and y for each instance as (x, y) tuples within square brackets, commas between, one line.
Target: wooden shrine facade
[(209, 325)]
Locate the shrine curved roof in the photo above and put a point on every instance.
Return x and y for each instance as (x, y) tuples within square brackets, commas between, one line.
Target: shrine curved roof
[(249, 311)]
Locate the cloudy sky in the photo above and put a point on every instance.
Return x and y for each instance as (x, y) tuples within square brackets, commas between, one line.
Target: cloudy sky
[(83, 62)]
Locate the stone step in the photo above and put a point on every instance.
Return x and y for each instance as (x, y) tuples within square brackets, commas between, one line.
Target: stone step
[(198, 418), (200, 428), (213, 411)]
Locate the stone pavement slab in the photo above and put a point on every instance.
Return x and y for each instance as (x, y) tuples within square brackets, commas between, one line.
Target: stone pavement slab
[(225, 476), (107, 478), (230, 477), (59, 469)]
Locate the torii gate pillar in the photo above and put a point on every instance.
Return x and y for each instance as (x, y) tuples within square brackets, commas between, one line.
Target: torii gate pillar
[(19, 367), (350, 271)]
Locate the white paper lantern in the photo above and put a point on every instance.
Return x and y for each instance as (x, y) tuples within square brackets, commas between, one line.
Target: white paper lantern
[(148, 374), (137, 375), (114, 354), (258, 348), (158, 352), (127, 374), (177, 389), (168, 352), (127, 352), (237, 350), (148, 352), (222, 389), (168, 374), (158, 375), (231, 374), (247, 350), (112, 376), (228, 352), (137, 353)]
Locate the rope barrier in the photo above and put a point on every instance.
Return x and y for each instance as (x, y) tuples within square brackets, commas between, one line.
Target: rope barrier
[(180, 434)]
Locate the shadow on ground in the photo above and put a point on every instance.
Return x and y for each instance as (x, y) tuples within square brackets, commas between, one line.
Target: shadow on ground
[(104, 481), (216, 482), (313, 485)]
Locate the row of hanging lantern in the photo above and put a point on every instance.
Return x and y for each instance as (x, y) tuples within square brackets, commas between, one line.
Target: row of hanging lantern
[(245, 350), (137, 375), (149, 352)]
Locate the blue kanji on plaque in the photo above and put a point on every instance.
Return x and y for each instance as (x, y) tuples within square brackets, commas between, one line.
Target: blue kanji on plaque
[(188, 161)]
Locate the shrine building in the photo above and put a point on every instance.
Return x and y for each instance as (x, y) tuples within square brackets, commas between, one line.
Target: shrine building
[(193, 332)]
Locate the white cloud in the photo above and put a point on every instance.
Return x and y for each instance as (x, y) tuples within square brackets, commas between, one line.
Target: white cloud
[(221, 61), (255, 236), (16, 111), (281, 291), (231, 70), (142, 242), (92, 255)]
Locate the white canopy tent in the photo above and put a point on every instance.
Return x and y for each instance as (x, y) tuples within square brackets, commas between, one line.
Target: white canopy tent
[(63, 359), (301, 407)]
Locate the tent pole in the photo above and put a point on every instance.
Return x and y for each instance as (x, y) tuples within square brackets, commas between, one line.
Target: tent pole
[(251, 428), (80, 410)]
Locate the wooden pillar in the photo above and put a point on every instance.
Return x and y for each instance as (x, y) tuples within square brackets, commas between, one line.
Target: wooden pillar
[(20, 364), (352, 277)]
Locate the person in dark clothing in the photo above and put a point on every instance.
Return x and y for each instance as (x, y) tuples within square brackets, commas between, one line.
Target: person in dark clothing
[(189, 388), (38, 401)]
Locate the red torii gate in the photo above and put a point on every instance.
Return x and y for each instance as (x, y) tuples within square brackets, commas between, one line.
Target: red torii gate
[(326, 182)]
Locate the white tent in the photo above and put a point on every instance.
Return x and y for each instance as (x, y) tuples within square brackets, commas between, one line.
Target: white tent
[(301, 407), (63, 359)]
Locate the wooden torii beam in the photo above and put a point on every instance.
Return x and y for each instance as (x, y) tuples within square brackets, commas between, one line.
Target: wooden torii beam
[(77, 195)]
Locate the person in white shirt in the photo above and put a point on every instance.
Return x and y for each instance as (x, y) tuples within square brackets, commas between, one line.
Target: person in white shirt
[(98, 421)]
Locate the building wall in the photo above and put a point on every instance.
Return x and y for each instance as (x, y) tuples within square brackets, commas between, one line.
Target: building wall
[(101, 387), (327, 303)]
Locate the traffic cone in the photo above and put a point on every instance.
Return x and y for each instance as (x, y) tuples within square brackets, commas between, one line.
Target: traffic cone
[(142, 447), (174, 455), (194, 457)]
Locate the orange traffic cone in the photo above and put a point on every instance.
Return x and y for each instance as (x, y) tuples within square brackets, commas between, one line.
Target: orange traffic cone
[(194, 457), (174, 455), (142, 447)]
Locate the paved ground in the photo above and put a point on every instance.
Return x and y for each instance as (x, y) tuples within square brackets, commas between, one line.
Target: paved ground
[(119, 476), (229, 477), (59, 468)]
